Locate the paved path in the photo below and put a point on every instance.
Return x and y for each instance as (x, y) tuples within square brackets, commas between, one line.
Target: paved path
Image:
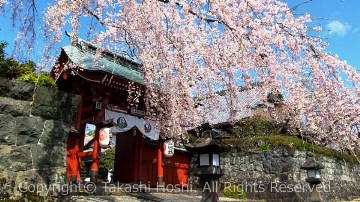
[(109, 198), (156, 197)]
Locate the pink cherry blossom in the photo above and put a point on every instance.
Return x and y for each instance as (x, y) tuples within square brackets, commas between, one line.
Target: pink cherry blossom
[(192, 49)]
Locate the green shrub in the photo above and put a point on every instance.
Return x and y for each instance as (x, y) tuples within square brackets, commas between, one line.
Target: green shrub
[(261, 143), (29, 77), (107, 161), (84, 173), (46, 80), (256, 134), (12, 69), (263, 146), (251, 127), (41, 80), (3, 44), (235, 192)]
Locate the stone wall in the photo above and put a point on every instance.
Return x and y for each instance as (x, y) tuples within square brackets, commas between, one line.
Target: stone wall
[(276, 175), (34, 125)]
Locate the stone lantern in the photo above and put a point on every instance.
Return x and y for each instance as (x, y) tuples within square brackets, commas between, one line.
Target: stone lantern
[(313, 169), (208, 149)]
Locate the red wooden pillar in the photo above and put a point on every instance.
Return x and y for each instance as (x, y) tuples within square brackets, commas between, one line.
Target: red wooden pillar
[(160, 169), (71, 161), (94, 169), (80, 137), (76, 158), (73, 165), (81, 148)]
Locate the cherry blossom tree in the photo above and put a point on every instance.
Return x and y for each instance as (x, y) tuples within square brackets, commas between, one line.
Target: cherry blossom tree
[(193, 49), (23, 17)]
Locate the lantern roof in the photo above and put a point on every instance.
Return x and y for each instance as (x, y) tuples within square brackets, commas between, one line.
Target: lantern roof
[(209, 145), (312, 164)]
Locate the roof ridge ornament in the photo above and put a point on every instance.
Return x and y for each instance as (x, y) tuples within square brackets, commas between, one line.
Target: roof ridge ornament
[(83, 44), (74, 39)]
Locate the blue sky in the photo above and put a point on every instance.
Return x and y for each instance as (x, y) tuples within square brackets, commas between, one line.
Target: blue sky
[(340, 20)]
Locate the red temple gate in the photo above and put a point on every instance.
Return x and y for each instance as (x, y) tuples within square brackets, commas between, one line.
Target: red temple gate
[(103, 86)]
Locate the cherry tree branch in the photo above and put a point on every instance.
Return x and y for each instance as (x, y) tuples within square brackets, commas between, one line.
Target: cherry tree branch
[(300, 4), (201, 17), (104, 23)]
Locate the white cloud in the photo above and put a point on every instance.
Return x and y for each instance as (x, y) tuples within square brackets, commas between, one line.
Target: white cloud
[(356, 30), (338, 28)]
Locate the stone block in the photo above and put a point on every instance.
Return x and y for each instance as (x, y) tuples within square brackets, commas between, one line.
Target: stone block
[(29, 130), (16, 89), (250, 167), (286, 167), (267, 167), (54, 133), (233, 161), (14, 107), (48, 156), (267, 154), (259, 157), (258, 167), (38, 182), (242, 167), (56, 105), (299, 154), (276, 153), (275, 167), (289, 152), (5, 152), (283, 177), (7, 184), (7, 129), (20, 158)]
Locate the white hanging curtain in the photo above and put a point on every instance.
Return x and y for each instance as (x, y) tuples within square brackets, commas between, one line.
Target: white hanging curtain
[(125, 122)]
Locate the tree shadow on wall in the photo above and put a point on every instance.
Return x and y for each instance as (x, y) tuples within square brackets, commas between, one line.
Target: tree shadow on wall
[(50, 155)]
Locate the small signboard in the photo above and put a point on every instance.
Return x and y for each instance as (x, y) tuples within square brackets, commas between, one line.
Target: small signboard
[(169, 147), (137, 112), (98, 105)]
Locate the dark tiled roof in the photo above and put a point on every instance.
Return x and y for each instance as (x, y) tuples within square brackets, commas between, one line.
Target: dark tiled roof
[(87, 60)]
